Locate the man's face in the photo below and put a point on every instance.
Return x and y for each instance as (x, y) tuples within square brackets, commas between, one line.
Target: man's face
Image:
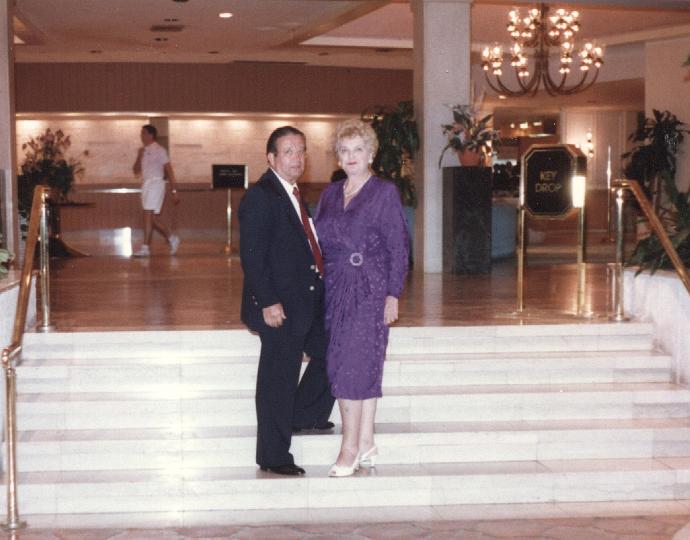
[(290, 157), (146, 137)]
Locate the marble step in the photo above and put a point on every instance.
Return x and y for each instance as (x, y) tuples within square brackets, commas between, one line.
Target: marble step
[(112, 375), (403, 340), (399, 444), (246, 488), (188, 409)]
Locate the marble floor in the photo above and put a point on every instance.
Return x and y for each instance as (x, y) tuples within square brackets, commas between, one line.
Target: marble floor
[(200, 288), (605, 528)]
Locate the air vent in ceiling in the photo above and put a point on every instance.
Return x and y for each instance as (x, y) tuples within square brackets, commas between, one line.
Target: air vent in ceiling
[(167, 28)]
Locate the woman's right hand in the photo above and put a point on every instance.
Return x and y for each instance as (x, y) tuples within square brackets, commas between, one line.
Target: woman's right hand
[(390, 310)]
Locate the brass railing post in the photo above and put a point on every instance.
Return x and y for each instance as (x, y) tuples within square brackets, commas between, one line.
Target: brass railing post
[(581, 269), (13, 522), (38, 214), (44, 258), (618, 312)]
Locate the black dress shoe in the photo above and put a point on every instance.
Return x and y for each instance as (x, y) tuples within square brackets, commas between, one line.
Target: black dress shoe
[(289, 469), (326, 426)]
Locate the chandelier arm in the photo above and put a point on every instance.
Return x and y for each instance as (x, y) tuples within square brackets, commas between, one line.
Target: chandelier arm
[(501, 88), (582, 87), (491, 85)]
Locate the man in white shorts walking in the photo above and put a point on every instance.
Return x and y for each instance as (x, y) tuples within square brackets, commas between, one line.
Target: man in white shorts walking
[(153, 164)]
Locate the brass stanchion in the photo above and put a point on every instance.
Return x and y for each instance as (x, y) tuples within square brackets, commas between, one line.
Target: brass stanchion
[(228, 214), (579, 187), (521, 260), (13, 522), (619, 314), (581, 262), (44, 257)]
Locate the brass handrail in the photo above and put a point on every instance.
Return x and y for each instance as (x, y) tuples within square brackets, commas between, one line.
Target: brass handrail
[(37, 224), (657, 227)]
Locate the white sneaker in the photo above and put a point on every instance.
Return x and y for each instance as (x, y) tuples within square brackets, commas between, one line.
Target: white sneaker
[(142, 252), (174, 243)]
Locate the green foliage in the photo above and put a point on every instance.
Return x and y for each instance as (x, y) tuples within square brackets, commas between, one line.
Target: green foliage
[(658, 140), (649, 253), (652, 160), (396, 131), (5, 258), (45, 164), (468, 133)]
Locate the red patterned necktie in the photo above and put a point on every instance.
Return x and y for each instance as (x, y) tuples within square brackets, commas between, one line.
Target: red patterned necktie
[(316, 251)]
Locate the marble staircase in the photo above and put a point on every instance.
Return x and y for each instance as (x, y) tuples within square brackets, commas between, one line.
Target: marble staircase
[(161, 424)]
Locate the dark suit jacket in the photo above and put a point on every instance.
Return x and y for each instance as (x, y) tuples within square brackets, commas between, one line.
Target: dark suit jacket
[(276, 259)]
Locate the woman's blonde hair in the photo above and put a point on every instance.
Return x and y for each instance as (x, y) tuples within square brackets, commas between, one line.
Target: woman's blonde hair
[(355, 127)]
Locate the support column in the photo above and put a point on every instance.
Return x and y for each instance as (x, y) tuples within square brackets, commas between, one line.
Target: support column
[(8, 182), (441, 76)]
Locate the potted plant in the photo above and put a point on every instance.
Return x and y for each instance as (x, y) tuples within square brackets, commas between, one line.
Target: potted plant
[(470, 137), (649, 254), (5, 260), (45, 163), (396, 131), (654, 155)]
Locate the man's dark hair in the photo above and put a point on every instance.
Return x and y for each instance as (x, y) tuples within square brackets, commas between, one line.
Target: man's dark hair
[(272, 143), (151, 129)]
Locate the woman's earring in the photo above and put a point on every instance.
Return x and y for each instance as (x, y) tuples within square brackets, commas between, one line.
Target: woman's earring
[(371, 160)]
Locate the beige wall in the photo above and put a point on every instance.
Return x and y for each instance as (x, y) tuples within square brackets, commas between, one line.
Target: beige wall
[(256, 87), (196, 142), (667, 87), (609, 129)]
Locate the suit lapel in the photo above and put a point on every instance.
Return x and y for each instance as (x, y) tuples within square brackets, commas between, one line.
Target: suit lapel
[(286, 203)]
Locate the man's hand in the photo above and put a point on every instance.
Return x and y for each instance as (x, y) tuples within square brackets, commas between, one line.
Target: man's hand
[(274, 315), (390, 310)]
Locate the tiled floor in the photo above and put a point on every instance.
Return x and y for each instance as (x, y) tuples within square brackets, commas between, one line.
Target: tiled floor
[(634, 528), (201, 288)]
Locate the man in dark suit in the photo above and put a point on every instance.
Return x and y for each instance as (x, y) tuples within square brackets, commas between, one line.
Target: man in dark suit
[(282, 301)]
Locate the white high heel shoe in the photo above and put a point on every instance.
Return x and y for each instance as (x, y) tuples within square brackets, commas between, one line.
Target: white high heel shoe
[(369, 457), (338, 471)]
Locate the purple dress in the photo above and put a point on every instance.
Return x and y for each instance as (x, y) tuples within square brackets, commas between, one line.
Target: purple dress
[(365, 250)]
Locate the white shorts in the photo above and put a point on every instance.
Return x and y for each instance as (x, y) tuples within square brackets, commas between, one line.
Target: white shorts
[(153, 194)]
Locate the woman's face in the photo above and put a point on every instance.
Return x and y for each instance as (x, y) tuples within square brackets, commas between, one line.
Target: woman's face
[(354, 156)]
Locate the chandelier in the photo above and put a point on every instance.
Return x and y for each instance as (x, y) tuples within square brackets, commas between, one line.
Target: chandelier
[(539, 32)]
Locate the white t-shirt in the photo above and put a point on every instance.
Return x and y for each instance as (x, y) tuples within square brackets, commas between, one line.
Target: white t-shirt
[(153, 161)]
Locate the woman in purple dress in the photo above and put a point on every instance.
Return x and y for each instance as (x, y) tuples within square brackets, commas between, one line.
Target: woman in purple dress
[(361, 228)]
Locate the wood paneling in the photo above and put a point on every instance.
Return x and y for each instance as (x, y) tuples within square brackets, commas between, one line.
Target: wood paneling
[(253, 87)]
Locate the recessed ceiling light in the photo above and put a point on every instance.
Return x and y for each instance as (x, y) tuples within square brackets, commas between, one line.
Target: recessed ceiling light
[(225, 15), (502, 96)]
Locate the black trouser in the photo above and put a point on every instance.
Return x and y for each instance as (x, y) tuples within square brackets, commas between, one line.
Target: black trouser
[(282, 399)]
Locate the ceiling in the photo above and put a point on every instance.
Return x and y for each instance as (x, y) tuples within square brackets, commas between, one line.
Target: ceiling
[(371, 33)]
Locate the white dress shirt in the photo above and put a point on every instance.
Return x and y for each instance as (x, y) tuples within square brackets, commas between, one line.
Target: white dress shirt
[(289, 188)]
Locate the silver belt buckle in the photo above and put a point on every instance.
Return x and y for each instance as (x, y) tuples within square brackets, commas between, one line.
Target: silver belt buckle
[(356, 259)]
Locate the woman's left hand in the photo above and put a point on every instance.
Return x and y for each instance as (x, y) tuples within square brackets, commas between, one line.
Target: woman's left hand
[(390, 310)]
